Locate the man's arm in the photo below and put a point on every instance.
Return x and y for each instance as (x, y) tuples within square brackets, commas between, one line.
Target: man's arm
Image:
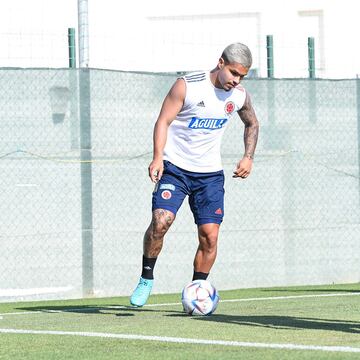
[(251, 131), (171, 106)]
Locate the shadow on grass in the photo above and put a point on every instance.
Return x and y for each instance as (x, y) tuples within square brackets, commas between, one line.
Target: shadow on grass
[(283, 322), (117, 310), (263, 321)]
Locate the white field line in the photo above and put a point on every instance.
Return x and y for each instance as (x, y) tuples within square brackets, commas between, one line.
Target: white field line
[(167, 339), (179, 303)]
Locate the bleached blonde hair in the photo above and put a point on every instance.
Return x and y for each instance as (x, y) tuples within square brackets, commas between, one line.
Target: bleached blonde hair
[(238, 53)]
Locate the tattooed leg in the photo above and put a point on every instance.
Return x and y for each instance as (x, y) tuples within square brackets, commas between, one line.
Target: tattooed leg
[(154, 235)]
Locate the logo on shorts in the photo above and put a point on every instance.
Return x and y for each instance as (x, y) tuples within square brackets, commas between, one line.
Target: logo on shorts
[(167, 186), (218, 211), (166, 195), (229, 107)]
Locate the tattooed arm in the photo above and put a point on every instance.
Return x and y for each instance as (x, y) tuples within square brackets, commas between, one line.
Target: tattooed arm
[(248, 116)]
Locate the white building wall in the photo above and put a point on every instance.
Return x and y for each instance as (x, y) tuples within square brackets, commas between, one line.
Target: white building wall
[(162, 35)]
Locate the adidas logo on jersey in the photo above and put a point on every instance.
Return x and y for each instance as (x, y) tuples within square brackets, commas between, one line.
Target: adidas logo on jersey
[(201, 104)]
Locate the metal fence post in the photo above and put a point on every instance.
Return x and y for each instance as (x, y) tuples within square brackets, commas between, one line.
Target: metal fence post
[(312, 84), (86, 184), (270, 56), (311, 57), (72, 48), (85, 153), (270, 87)]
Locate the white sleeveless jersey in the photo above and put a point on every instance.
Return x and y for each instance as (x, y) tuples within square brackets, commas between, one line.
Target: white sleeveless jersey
[(194, 137)]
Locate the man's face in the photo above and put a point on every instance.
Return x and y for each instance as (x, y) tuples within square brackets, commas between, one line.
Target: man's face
[(230, 74)]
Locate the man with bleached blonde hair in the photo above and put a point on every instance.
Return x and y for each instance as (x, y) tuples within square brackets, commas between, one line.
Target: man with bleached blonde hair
[(187, 160)]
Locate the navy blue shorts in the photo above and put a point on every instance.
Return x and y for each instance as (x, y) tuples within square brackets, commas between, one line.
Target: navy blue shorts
[(205, 191)]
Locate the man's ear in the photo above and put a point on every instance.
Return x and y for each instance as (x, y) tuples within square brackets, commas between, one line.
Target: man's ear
[(221, 63)]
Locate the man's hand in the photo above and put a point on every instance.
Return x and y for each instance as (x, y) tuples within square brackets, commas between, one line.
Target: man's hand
[(156, 169), (243, 168)]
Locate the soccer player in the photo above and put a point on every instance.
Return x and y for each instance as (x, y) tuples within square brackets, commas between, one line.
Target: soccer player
[(187, 161)]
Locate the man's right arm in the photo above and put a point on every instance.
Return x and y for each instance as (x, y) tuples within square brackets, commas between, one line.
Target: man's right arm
[(171, 106)]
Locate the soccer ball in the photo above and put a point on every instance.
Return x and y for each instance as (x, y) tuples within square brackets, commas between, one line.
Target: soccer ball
[(199, 298)]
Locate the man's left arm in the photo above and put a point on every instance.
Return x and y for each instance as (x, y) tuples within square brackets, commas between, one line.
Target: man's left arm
[(251, 131)]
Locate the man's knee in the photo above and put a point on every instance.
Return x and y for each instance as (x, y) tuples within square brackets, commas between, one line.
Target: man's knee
[(208, 236), (161, 221), (210, 242)]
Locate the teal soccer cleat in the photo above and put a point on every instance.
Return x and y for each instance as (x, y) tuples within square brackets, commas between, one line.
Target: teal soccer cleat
[(142, 292)]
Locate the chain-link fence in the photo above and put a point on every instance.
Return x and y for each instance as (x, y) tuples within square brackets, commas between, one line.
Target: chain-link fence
[(76, 198)]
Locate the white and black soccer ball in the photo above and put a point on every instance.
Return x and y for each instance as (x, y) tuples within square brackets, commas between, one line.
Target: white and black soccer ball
[(199, 298)]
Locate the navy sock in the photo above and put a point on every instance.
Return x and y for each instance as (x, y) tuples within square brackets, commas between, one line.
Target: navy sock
[(148, 265), (200, 275)]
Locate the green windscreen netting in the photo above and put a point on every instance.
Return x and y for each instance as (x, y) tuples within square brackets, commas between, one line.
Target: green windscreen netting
[(76, 198)]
